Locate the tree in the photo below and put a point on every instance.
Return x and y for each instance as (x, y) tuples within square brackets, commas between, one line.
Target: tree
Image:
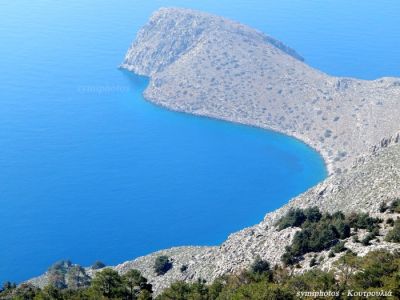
[(107, 283), (293, 218), (177, 291), (394, 234), (162, 265), (25, 291), (49, 293), (77, 277), (313, 214), (135, 284), (98, 265), (56, 273), (260, 266)]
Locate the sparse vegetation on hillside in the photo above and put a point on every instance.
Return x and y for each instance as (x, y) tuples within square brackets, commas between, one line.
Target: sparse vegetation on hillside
[(323, 231), (376, 272), (394, 234)]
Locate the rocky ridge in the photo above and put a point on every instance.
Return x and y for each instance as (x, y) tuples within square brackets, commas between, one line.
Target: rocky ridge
[(207, 65)]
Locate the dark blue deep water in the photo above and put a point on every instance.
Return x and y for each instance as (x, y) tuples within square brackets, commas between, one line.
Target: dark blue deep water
[(90, 170)]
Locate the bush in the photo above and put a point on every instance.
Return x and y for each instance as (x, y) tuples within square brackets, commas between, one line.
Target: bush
[(383, 207), (162, 265), (339, 247), (313, 214), (98, 265), (323, 232), (288, 258), (368, 238), (107, 283), (136, 286), (293, 218), (260, 266), (313, 262), (315, 238), (394, 207), (390, 221), (76, 277), (363, 221), (394, 235), (183, 268), (355, 239)]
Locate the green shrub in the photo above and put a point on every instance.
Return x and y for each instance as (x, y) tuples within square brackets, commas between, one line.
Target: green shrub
[(394, 234), (293, 218), (162, 265), (325, 231), (135, 285), (390, 221), (260, 266), (312, 214), (355, 239), (378, 270), (313, 262), (363, 221), (368, 238), (98, 265), (339, 247), (183, 268), (315, 238), (76, 277), (383, 207), (394, 207), (107, 283)]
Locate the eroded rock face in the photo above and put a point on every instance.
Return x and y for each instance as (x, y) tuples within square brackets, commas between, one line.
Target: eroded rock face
[(207, 65)]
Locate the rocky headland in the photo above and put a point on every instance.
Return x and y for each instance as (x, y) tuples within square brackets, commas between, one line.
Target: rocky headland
[(210, 66)]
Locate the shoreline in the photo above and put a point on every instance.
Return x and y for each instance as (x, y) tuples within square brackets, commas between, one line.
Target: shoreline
[(310, 100), (328, 165)]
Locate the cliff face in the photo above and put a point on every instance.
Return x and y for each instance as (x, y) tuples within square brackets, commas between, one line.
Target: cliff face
[(207, 65)]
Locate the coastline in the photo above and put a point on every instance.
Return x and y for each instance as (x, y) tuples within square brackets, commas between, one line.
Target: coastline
[(240, 247), (329, 167)]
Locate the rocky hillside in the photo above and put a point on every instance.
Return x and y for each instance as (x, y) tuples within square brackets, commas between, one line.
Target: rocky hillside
[(363, 188), (207, 65)]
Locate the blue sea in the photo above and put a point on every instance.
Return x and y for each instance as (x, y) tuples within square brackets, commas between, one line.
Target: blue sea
[(89, 170)]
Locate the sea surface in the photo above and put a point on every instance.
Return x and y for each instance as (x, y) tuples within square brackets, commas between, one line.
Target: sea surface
[(90, 170)]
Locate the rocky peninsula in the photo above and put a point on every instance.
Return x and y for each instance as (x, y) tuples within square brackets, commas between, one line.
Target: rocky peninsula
[(210, 66)]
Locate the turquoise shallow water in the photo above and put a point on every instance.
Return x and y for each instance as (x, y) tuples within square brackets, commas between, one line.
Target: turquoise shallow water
[(90, 170)]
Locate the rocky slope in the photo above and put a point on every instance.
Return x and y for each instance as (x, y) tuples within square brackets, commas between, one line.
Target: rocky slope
[(211, 66), (207, 65), (363, 188)]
